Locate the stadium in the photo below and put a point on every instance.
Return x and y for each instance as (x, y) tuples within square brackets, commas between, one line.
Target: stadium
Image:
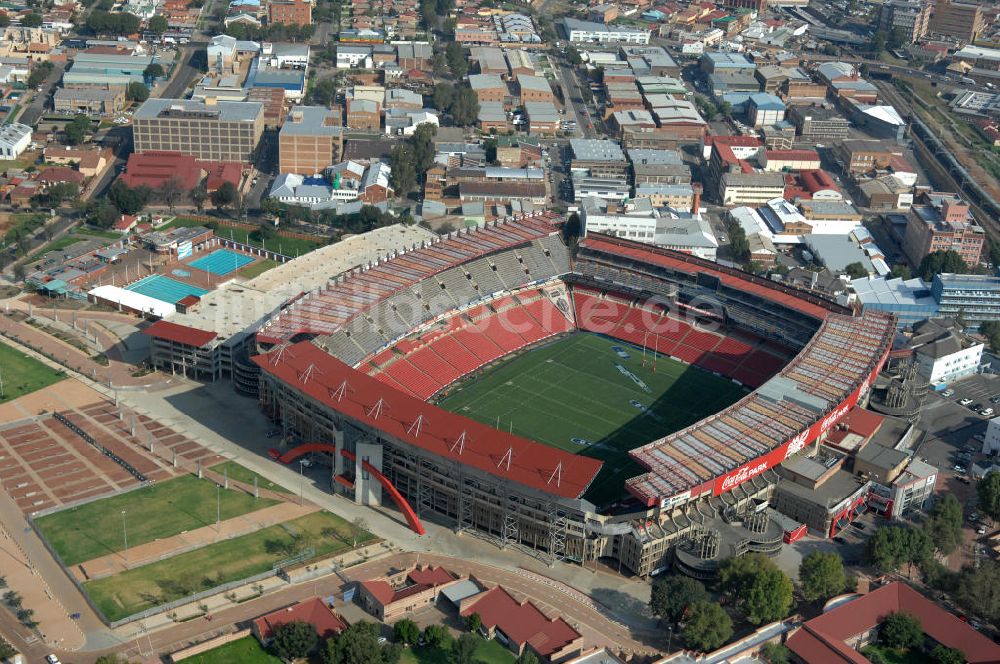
[(614, 401)]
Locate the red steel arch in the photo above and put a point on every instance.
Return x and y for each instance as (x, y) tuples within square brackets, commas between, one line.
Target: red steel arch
[(411, 517)]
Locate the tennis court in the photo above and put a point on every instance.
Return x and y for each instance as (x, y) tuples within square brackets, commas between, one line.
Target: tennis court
[(164, 289), (222, 261)]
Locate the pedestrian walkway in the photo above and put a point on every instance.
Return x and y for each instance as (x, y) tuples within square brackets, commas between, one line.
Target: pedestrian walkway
[(150, 552)]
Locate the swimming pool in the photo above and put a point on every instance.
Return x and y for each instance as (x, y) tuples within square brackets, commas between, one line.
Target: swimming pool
[(164, 289), (221, 261)]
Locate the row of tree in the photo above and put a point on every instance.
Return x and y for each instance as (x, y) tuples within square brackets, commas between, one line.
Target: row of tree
[(273, 32), (117, 24), (410, 160), (458, 101)]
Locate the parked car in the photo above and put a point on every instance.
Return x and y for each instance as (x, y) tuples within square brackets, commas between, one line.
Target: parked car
[(981, 530), (964, 402), (986, 412), (995, 399), (947, 393), (52, 659), (274, 453), (959, 469)]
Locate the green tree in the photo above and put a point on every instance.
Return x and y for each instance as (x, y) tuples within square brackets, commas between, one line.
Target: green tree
[(464, 650), (225, 196), (821, 575), (31, 20), (979, 590), (358, 644), (758, 588), (444, 95), (455, 56), (324, 92), (988, 492), (944, 655), (573, 228), (944, 524), (901, 630), (100, 213), (941, 261), (403, 171), (436, 635), (137, 91), (39, 73), (128, 200), (7, 651), (855, 270), (739, 246), (774, 653), (726, 108), (198, 197), (406, 631), (474, 622), (527, 657), (900, 272), (158, 24), (76, 129), (707, 626), (294, 639), (573, 56), (893, 546), (671, 595), (153, 70), (464, 108)]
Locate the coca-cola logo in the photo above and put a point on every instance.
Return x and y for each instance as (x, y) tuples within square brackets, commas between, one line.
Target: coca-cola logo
[(743, 474), (832, 418), (796, 444)]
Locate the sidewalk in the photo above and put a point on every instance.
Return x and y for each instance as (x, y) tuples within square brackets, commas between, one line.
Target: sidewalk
[(150, 552)]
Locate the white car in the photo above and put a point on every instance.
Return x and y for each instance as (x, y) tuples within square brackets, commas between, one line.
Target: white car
[(52, 659), (947, 393)]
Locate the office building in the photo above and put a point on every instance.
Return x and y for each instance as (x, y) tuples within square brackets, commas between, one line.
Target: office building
[(943, 222), (310, 140), (910, 18), (223, 131), (973, 297), (578, 31), (751, 188), (963, 21), (92, 101)]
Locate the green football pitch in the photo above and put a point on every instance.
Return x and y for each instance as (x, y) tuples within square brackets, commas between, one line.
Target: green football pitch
[(592, 395)]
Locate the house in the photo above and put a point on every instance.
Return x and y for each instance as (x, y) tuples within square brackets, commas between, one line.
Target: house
[(313, 611), (375, 187), (59, 175), (390, 597)]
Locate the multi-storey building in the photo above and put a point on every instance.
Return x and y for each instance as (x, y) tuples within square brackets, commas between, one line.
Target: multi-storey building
[(597, 33), (863, 156), (751, 188), (974, 297), (364, 114), (290, 12), (310, 140), (963, 21), (818, 123), (223, 131), (907, 17), (658, 167), (943, 223)]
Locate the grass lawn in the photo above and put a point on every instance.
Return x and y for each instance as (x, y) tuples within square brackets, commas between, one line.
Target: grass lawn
[(258, 268), (592, 395), (96, 232), (283, 245), (161, 510), (237, 472), (144, 587), (893, 656), (243, 651), (22, 374), (62, 243), (489, 652)]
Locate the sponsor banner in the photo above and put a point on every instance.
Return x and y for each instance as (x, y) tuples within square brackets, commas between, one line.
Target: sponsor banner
[(673, 501), (184, 249), (748, 471)]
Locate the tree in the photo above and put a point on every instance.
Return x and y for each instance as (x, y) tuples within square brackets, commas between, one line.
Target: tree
[(855, 270), (892, 546), (573, 229), (39, 73), (358, 644), (224, 196), (464, 650), (76, 129), (988, 492), (900, 272), (821, 575), (527, 657), (759, 589), (106, 23), (31, 20), (158, 24), (171, 191), (153, 70), (944, 524), (726, 109), (979, 590), (944, 655), (707, 626), (474, 622), (941, 261), (774, 653), (444, 95), (455, 56), (4, 19), (128, 200), (198, 197), (901, 630), (137, 91), (406, 631), (671, 596), (100, 213), (324, 92), (294, 639), (403, 172), (464, 109), (436, 635)]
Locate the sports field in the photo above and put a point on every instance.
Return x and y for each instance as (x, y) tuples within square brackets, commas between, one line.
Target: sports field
[(20, 374), (596, 396), (141, 588), (242, 651), (79, 534)]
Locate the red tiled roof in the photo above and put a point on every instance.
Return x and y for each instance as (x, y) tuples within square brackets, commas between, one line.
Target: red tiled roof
[(373, 403), (154, 168), (817, 180), (822, 639), (522, 622), (313, 611), (421, 579), (181, 334), (56, 174)]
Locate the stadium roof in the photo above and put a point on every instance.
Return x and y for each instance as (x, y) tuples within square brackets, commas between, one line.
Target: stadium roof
[(370, 402)]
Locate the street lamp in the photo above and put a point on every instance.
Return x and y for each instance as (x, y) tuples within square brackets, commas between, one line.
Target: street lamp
[(218, 507), (125, 536)]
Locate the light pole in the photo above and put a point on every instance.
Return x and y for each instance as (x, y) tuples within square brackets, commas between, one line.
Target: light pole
[(125, 536), (301, 470), (670, 637), (218, 507)]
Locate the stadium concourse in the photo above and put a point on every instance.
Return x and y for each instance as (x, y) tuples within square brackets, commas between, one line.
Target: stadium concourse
[(349, 368)]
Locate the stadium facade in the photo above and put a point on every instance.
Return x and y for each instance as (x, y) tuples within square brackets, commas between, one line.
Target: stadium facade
[(352, 369)]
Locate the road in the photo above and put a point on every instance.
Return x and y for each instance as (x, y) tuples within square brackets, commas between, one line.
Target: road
[(184, 72), (36, 109)]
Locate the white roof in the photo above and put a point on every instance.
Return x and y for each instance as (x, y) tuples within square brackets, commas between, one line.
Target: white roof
[(133, 300), (885, 114)]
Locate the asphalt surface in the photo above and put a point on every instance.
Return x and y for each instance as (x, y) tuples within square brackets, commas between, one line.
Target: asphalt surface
[(184, 73), (36, 109)]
